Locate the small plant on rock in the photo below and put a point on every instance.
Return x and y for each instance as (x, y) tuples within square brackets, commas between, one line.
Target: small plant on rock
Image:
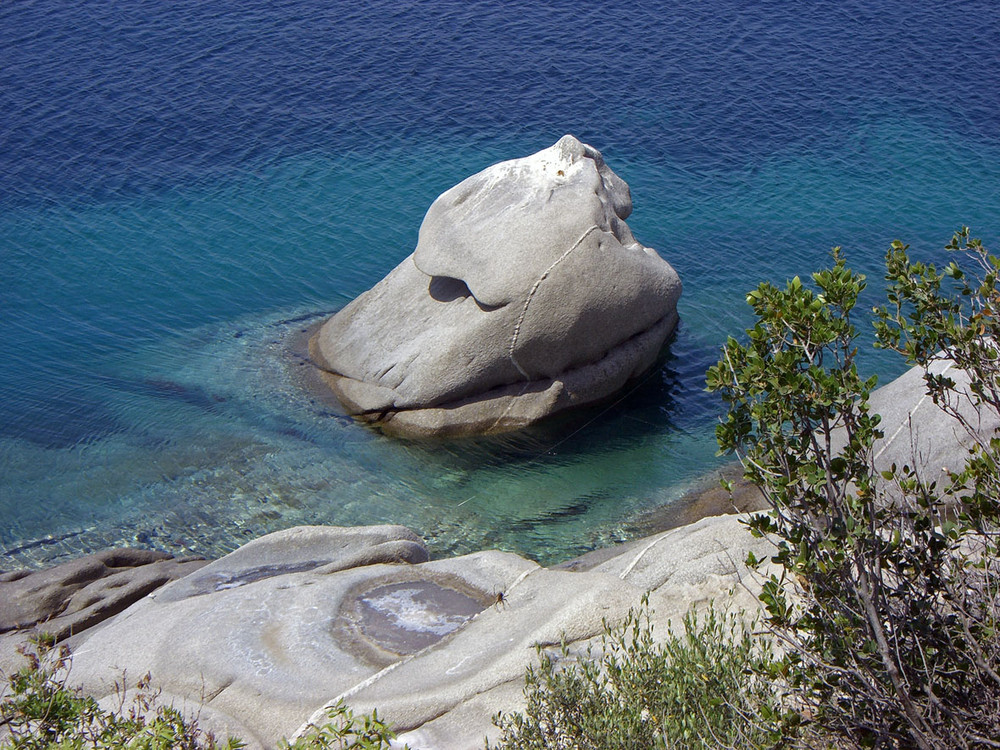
[(346, 731), (709, 687), (40, 711)]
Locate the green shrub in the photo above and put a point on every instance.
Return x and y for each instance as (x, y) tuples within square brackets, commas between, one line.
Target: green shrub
[(42, 713), (709, 687), (888, 606), (345, 731)]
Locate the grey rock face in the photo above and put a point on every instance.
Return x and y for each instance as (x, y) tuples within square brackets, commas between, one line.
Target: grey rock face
[(922, 435), (527, 294), (69, 599), (263, 636), (74, 596), (919, 433), (268, 637)]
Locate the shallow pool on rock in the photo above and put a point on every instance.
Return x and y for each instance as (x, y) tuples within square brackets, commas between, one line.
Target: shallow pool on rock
[(406, 617)]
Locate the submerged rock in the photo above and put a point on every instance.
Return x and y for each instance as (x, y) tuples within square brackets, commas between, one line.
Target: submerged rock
[(526, 294)]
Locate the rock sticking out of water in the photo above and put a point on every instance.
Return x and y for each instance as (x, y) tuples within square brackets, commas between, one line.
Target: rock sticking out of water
[(527, 294)]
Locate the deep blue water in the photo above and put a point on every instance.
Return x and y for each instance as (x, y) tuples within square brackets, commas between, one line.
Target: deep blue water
[(184, 186)]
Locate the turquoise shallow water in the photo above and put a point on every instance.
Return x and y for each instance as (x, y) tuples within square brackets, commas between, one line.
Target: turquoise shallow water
[(187, 188)]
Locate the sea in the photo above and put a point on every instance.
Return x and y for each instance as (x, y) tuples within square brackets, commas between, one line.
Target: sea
[(187, 186)]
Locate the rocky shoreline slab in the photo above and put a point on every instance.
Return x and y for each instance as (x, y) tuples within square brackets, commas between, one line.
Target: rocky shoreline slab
[(261, 640)]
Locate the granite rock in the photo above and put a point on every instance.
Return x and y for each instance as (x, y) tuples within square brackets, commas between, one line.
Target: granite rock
[(69, 599), (920, 434), (271, 635), (74, 596), (527, 294), (263, 637), (445, 698)]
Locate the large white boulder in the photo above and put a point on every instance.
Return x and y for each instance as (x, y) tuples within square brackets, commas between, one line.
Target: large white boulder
[(527, 294), (921, 434)]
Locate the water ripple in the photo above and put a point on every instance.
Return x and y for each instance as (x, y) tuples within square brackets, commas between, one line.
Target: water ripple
[(180, 177)]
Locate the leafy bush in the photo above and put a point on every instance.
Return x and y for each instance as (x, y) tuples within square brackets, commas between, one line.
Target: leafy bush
[(345, 731), (888, 606), (41, 713), (706, 688)]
